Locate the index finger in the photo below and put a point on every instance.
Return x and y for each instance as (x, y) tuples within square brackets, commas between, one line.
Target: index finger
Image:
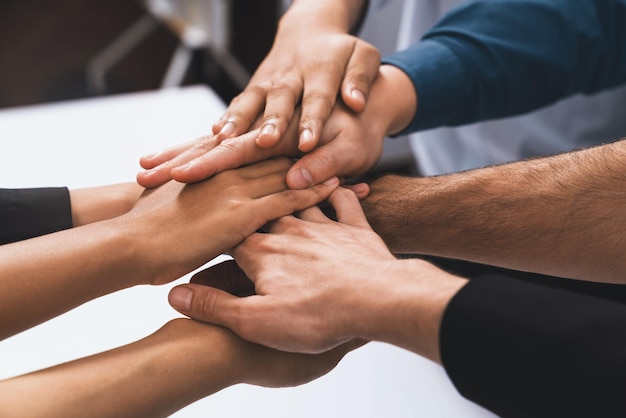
[(195, 165)]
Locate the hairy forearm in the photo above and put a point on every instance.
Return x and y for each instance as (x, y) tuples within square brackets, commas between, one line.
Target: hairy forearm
[(561, 215), (180, 363)]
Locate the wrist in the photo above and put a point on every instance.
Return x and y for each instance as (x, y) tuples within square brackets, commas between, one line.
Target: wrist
[(337, 16), (410, 307), (392, 99)]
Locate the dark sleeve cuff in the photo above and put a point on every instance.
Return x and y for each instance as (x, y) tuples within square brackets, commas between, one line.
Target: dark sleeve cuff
[(524, 349), (27, 213)]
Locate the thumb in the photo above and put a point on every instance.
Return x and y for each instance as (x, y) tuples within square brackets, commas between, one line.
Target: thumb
[(315, 167), (203, 303)]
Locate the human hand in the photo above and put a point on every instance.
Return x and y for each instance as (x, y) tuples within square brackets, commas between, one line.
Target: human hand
[(303, 264), (311, 61), (351, 145), (233, 360), (320, 283), (180, 227)]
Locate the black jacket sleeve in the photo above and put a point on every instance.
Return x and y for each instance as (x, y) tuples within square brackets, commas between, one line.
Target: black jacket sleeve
[(528, 349), (27, 213)]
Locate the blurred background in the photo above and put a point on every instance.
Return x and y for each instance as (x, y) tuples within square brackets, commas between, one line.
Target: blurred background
[(55, 50)]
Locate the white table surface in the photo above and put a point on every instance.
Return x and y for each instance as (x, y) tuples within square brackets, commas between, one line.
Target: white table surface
[(99, 141)]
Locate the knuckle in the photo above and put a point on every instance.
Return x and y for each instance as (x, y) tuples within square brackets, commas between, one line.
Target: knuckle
[(361, 78), (204, 305), (372, 53), (323, 101), (289, 88), (205, 143), (258, 90)]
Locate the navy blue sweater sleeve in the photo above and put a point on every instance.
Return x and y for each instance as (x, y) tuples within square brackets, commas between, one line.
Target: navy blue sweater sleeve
[(494, 58), (523, 349), (27, 213)]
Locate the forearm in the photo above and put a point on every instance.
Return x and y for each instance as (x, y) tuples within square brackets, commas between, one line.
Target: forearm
[(180, 363), (524, 349), (343, 16), (408, 308), (99, 203), (560, 215), (490, 59), (48, 275)]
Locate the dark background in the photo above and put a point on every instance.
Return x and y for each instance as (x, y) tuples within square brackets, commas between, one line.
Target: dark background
[(45, 46)]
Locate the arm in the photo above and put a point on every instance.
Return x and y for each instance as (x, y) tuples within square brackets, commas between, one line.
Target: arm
[(168, 233), (177, 365), (516, 347), (292, 71), (529, 350), (312, 59), (488, 59), (27, 213), (311, 261), (560, 215), (95, 204), (350, 144)]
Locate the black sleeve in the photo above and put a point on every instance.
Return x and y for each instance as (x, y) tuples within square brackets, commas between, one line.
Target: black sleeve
[(524, 349), (27, 213)]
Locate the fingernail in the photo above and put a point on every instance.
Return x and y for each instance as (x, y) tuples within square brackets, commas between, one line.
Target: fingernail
[(228, 129), (357, 94), (180, 298), (331, 181), (302, 179), (268, 130), (306, 136)]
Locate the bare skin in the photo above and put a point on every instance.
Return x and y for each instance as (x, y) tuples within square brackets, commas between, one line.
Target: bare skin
[(208, 218), (561, 215), (310, 261), (350, 143), (154, 377), (168, 232)]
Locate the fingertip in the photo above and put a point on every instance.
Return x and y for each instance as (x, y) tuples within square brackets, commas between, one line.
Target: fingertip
[(180, 298), (145, 161), (333, 181), (362, 190), (150, 179), (307, 140), (354, 98), (216, 128), (188, 173), (140, 178), (267, 140), (227, 129), (300, 178)]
